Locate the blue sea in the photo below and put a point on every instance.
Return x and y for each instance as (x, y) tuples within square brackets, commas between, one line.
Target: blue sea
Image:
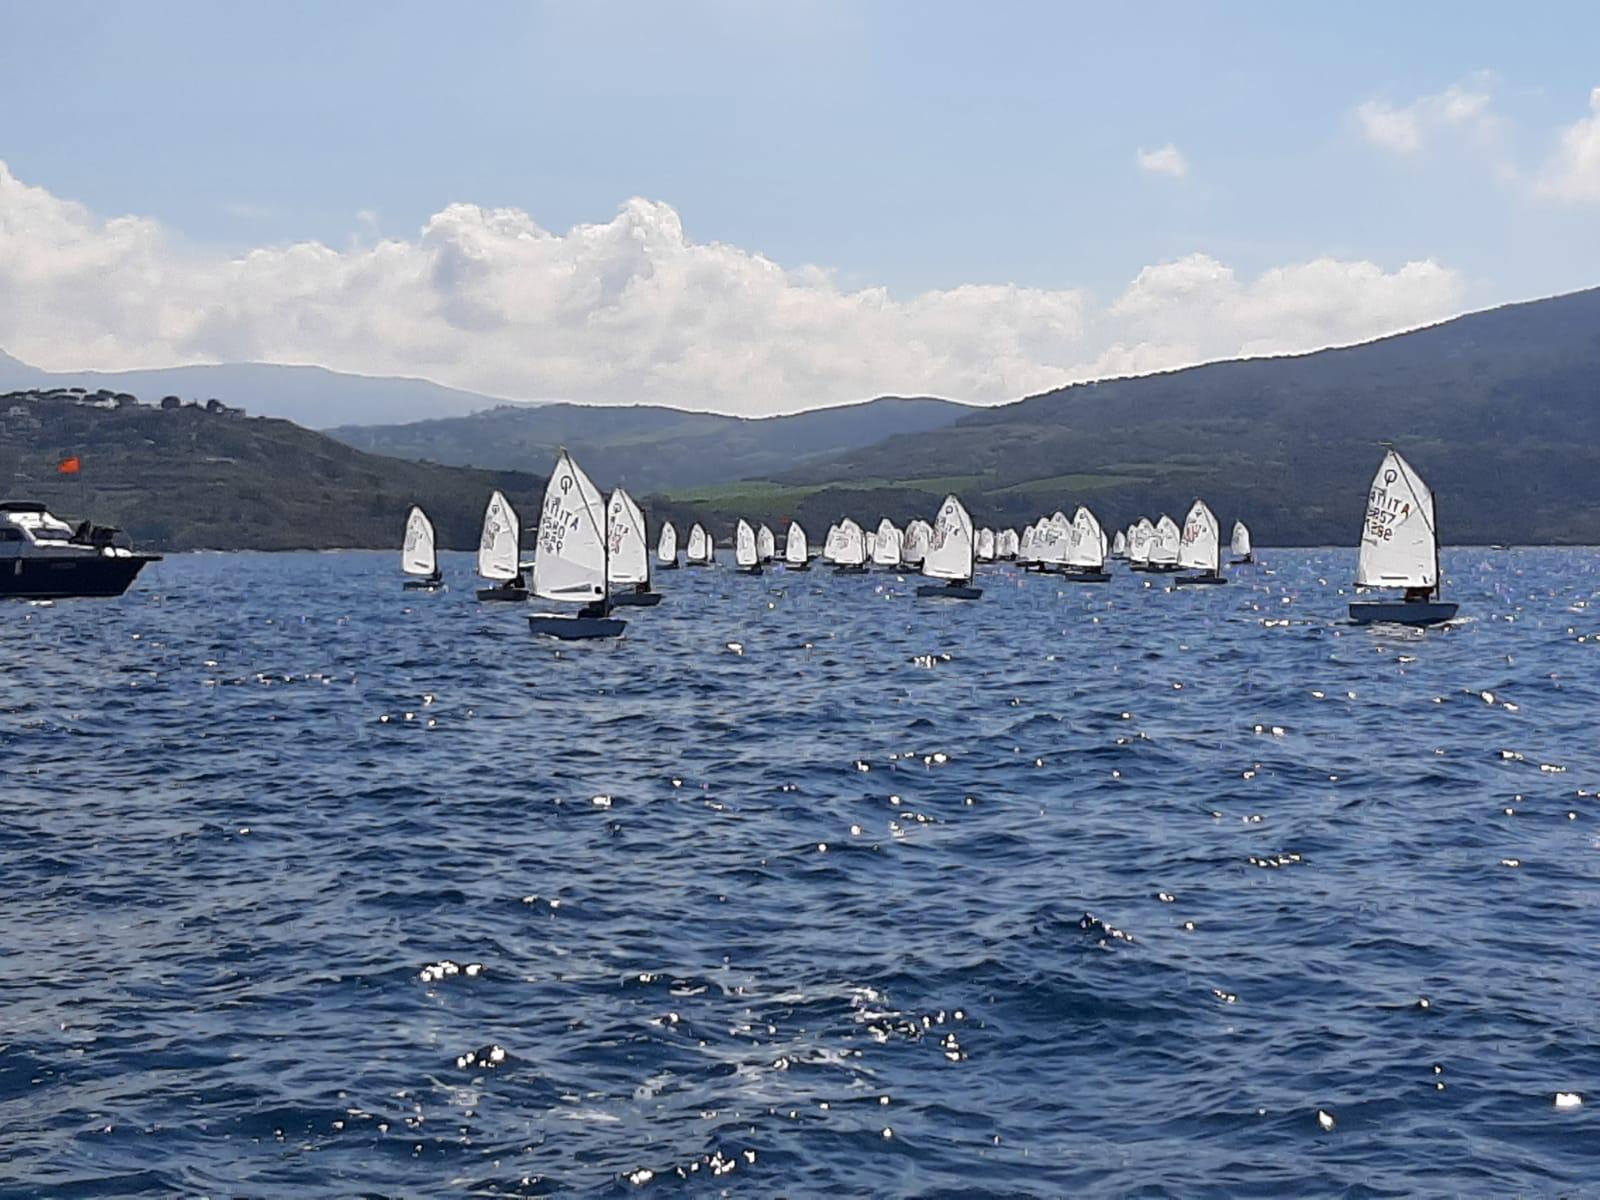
[(312, 886)]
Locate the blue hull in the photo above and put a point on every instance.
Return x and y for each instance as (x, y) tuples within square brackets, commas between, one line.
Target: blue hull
[(931, 591), (1399, 612), (573, 629)]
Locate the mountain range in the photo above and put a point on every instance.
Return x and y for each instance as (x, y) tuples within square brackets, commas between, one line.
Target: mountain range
[(1499, 410)]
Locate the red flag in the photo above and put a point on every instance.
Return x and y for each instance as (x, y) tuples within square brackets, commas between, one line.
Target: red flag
[(69, 466)]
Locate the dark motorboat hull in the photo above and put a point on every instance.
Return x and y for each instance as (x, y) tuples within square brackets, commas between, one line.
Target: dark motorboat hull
[(945, 591), (1401, 612), (62, 578), (1086, 576), (1195, 580), (635, 599), (502, 593), (573, 629)]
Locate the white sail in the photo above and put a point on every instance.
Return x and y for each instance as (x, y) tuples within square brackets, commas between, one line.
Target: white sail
[(950, 552), (497, 547), (886, 547), (983, 545), (794, 546), (1119, 544), (571, 563), (628, 550), (1086, 550), (914, 546), (766, 545), (1200, 545), (872, 542), (834, 545), (1399, 541), (1005, 543), (744, 545), (1055, 534), (1241, 539), (667, 547), (1141, 541), (852, 544), (417, 556), (1164, 545), (1025, 552), (699, 550)]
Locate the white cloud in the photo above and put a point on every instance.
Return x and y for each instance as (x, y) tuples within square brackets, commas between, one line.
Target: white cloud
[(1164, 160), (632, 310), (1404, 129), (1573, 173)]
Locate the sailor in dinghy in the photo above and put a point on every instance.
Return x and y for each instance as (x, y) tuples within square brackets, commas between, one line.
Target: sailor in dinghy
[(701, 552), (573, 557), (766, 545), (418, 558), (950, 555), (628, 560), (914, 545), (500, 552), (1400, 549), (887, 547), (745, 557), (1200, 549), (851, 557)]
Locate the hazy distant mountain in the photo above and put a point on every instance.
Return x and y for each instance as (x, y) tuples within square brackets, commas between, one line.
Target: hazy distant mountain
[(647, 448), (1500, 410), (311, 396)]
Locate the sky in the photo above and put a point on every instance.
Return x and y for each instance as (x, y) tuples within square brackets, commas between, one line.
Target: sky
[(758, 208)]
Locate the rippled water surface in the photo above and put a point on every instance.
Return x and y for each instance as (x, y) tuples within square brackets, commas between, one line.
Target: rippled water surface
[(804, 887)]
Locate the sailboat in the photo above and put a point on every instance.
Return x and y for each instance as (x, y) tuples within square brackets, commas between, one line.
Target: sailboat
[(499, 552), (914, 546), (667, 548), (1005, 545), (418, 557), (1400, 549), (1025, 551), (766, 545), (1054, 533), (744, 549), (888, 545), (1200, 547), (573, 557), (1243, 552), (1086, 550), (700, 552), (1164, 542), (1119, 545), (833, 544), (950, 555), (983, 545), (628, 558), (795, 550), (851, 558)]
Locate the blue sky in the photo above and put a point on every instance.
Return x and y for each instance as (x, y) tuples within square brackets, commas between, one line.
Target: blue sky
[(913, 147)]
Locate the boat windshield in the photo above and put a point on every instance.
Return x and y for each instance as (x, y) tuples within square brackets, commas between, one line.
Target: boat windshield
[(43, 526)]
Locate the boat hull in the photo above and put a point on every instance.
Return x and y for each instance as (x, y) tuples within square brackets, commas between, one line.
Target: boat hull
[(944, 591), (87, 575), (576, 629), (1400, 612), (1248, 560), (502, 593), (1086, 576), (635, 599), (751, 571), (667, 566), (422, 585), (850, 569), (797, 566), (1198, 580), (1157, 568)]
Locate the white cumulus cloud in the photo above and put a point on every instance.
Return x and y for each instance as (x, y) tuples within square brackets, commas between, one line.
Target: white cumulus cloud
[(634, 310), (1573, 173), (1164, 160), (1403, 129)]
